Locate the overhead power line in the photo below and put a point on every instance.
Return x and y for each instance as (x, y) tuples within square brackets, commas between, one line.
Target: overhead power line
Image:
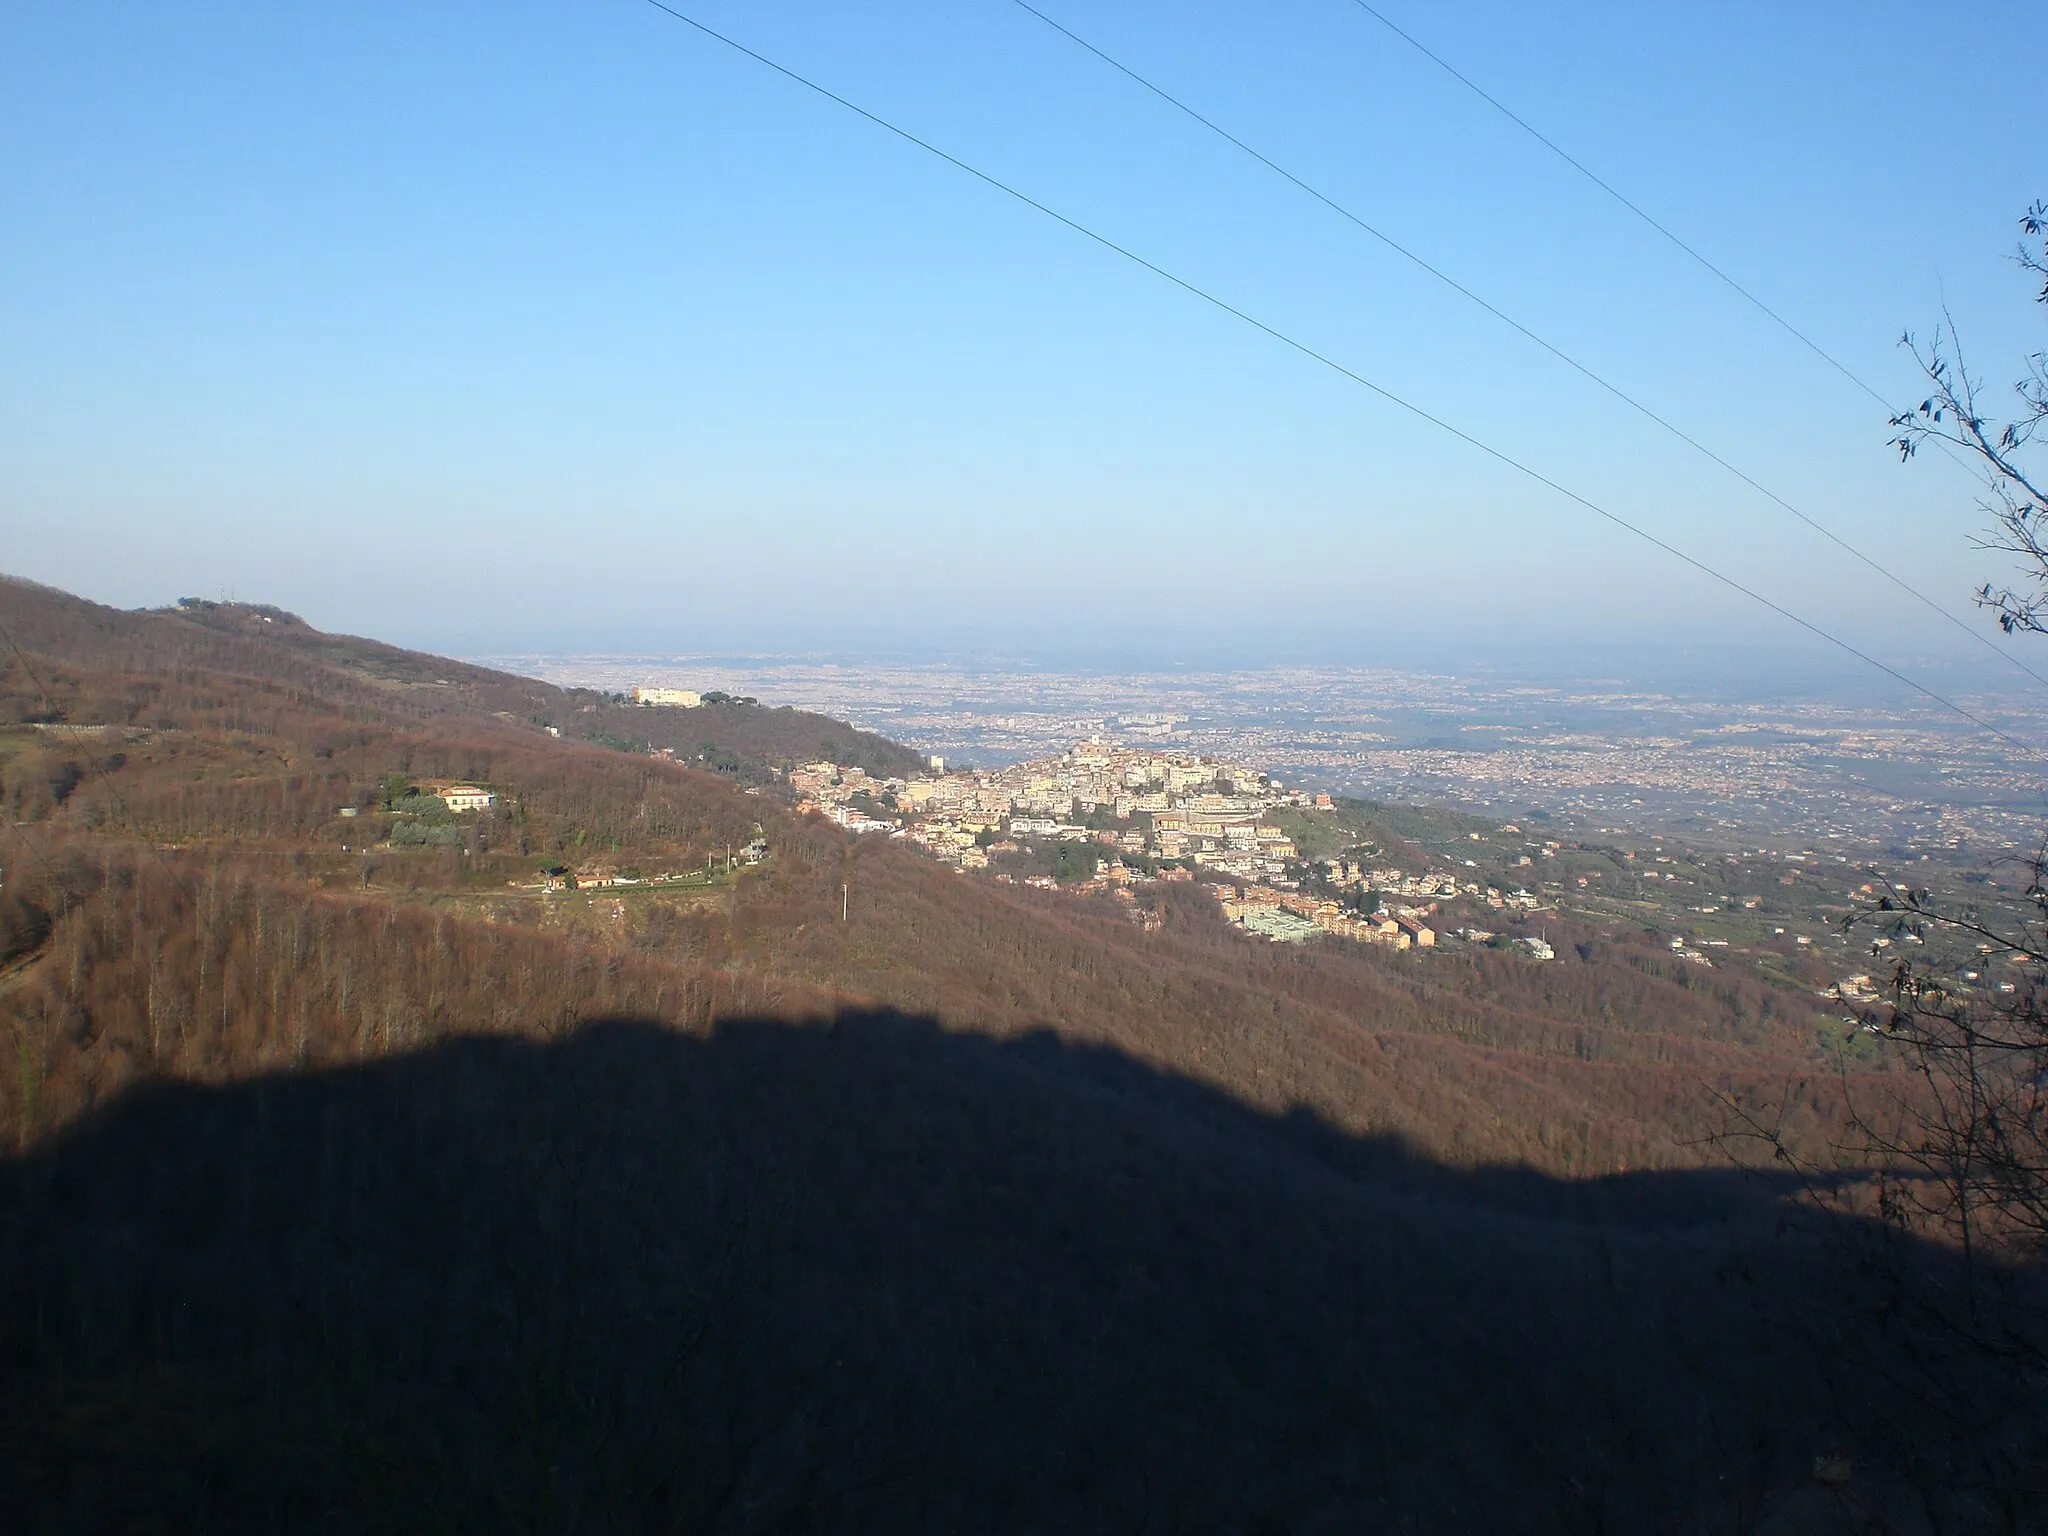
[(1360, 379), (1974, 633), (1571, 160)]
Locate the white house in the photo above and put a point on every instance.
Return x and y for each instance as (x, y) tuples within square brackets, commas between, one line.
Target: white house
[(467, 797), (667, 698)]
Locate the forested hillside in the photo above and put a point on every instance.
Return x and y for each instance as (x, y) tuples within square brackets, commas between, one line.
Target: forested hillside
[(156, 670), (215, 754), (905, 1199)]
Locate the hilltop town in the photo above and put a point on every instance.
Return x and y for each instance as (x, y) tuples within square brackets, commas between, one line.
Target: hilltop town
[(1114, 818)]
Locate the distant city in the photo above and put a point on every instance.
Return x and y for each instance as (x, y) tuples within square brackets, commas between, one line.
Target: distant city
[(1592, 756)]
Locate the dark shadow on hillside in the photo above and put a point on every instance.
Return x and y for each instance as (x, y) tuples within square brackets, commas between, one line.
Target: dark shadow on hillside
[(876, 1276)]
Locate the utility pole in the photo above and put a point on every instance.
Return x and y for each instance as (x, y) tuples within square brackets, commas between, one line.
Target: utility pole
[(843, 899)]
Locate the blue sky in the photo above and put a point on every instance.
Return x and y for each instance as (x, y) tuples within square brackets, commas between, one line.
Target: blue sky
[(528, 327)]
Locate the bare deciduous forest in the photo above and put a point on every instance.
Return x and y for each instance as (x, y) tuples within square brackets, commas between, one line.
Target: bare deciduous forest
[(353, 1181)]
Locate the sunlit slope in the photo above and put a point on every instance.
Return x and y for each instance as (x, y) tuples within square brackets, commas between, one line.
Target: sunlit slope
[(187, 898)]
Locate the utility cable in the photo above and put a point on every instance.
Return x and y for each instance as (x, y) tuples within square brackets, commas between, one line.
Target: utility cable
[(1522, 330), (1334, 366), (1522, 123)]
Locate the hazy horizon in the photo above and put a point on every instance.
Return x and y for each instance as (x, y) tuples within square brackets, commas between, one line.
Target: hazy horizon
[(1731, 669), (571, 330)]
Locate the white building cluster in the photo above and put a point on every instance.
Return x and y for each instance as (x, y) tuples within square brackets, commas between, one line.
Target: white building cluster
[(1170, 806), (668, 698), (1145, 814)]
